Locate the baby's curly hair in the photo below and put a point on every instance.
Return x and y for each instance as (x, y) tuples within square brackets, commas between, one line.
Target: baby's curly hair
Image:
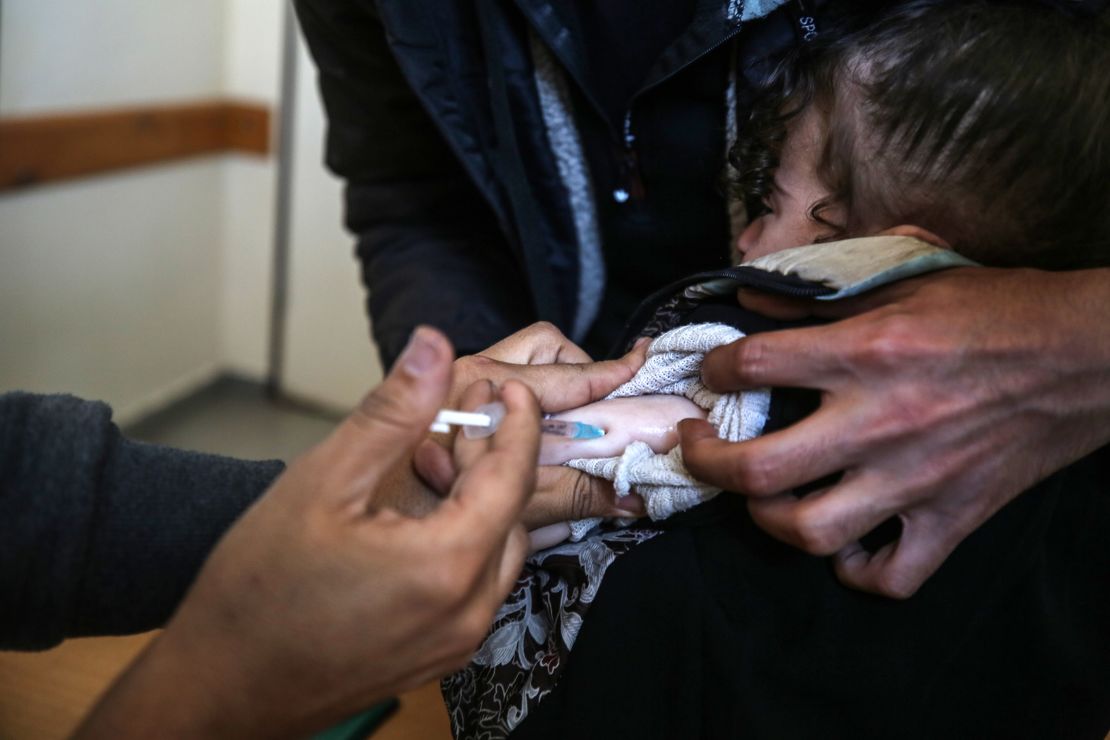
[(986, 123)]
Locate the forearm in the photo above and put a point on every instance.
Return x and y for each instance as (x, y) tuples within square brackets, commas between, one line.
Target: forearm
[(165, 693), (476, 299), (190, 685), (160, 513), (1068, 354)]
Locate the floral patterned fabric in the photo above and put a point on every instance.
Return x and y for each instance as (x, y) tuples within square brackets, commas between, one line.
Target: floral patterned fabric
[(532, 635), (534, 630)]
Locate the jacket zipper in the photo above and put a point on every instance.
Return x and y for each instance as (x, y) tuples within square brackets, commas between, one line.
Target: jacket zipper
[(633, 181), (632, 187)]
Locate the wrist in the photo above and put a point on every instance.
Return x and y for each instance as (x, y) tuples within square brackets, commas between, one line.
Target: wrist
[(1066, 355), (186, 685), (169, 692), (1081, 301)]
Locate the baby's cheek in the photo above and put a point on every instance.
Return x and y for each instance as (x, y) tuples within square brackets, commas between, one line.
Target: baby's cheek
[(649, 419)]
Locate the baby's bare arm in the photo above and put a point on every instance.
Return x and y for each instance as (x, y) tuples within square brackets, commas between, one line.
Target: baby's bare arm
[(650, 419)]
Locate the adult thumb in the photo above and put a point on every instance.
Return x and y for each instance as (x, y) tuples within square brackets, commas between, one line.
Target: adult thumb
[(392, 418)]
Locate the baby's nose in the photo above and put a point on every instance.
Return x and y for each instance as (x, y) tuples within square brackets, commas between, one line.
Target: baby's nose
[(749, 237)]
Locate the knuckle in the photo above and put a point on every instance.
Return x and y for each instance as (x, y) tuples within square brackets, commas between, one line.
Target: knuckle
[(693, 455), (545, 330), (816, 532), (890, 342), (583, 496), (895, 584), (463, 369), (751, 473), (737, 364), (378, 408), (472, 365), (900, 414), (750, 356), (468, 369)]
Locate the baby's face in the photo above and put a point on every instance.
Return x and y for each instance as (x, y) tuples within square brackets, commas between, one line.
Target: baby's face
[(796, 189)]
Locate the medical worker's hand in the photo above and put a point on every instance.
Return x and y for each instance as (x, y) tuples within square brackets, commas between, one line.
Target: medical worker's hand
[(943, 398), (563, 377), (319, 602)]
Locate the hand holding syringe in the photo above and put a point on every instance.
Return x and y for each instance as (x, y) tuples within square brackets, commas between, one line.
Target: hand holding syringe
[(612, 425), (484, 420)]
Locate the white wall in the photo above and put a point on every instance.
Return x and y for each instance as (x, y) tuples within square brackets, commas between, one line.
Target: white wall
[(329, 358), (252, 70), (137, 287), (110, 287), (60, 54)]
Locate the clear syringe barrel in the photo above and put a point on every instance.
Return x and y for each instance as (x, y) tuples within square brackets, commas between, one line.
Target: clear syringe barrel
[(556, 427)]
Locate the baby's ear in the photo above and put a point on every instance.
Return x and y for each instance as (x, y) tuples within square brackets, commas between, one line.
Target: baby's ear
[(918, 233)]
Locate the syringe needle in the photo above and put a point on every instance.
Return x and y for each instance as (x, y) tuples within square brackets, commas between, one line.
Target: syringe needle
[(571, 429)]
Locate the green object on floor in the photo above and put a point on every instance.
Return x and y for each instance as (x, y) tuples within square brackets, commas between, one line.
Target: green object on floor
[(360, 725)]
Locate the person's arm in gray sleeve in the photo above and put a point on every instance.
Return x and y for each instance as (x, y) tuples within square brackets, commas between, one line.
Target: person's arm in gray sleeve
[(429, 244), (100, 534)]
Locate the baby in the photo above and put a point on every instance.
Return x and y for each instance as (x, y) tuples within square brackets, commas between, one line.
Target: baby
[(980, 128), (875, 133), (976, 127), (864, 136)]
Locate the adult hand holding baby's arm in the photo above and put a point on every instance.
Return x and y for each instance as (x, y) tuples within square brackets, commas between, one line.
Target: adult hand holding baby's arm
[(944, 397), (563, 377)]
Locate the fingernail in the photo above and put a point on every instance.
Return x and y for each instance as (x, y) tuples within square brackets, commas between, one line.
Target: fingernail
[(420, 353), (641, 342), (695, 429), (629, 507)]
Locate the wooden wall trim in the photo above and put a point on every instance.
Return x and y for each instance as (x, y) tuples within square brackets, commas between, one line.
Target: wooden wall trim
[(43, 149)]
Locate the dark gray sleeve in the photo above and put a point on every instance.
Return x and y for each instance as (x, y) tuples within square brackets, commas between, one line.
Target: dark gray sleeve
[(102, 535)]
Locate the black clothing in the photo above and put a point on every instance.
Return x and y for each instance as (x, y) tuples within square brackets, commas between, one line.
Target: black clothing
[(463, 215), (675, 219), (618, 61), (454, 190), (103, 535), (705, 626), (713, 629), (665, 152)]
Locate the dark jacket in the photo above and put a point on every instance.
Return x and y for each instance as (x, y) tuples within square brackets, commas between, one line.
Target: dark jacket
[(465, 216), (705, 626), (102, 535), (715, 629), (490, 182)]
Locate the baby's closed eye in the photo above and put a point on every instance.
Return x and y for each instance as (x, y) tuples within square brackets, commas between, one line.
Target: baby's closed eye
[(649, 419)]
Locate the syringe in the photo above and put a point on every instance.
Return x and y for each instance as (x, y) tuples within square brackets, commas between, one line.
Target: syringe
[(484, 420)]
